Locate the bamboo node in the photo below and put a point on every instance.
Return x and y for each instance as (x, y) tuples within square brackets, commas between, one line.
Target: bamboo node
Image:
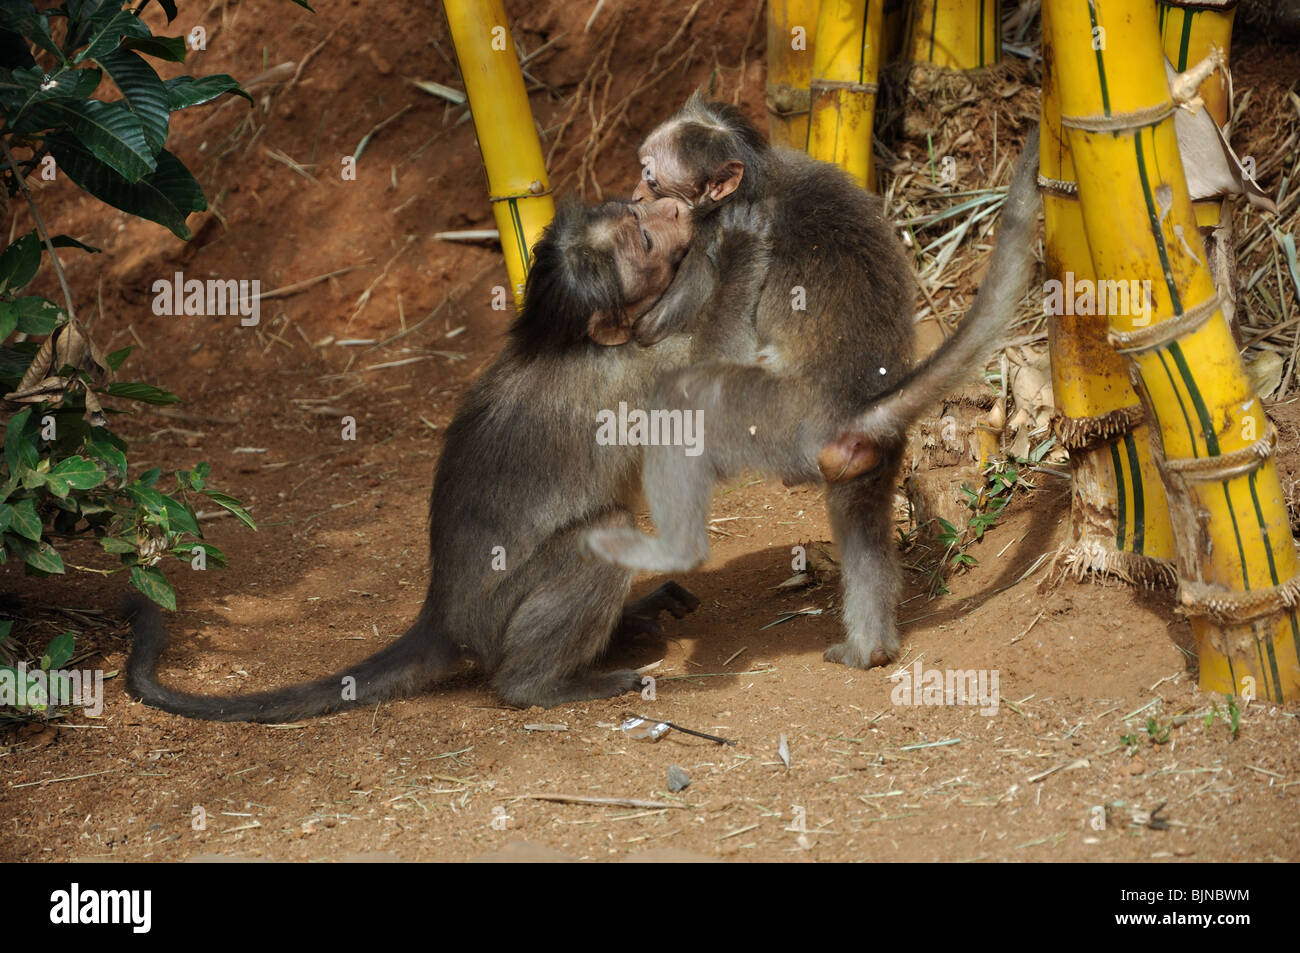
[(1164, 332), (534, 190), (1121, 122), (851, 86), (1231, 607), (1062, 187), (1084, 433), (1202, 4), (1227, 465)]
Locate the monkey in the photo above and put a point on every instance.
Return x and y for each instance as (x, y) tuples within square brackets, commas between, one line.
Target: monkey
[(831, 391), (521, 470)]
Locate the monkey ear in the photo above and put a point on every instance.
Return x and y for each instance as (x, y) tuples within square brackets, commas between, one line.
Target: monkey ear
[(849, 455), (726, 179), (609, 329)]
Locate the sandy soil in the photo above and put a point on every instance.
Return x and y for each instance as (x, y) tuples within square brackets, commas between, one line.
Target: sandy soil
[(337, 567)]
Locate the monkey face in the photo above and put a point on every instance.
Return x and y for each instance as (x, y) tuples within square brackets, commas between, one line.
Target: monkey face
[(648, 243), (648, 239), (685, 162)]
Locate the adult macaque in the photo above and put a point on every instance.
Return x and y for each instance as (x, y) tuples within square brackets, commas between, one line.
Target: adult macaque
[(833, 390), (521, 470)]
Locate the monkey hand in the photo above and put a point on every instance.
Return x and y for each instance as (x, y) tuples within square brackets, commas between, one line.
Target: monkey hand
[(744, 224), (630, 549)]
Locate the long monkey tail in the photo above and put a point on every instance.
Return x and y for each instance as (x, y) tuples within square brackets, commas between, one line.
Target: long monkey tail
[(857, 448), (421, 655)]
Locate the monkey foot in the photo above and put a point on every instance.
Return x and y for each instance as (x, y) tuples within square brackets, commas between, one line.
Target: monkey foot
[(641, 617), (630, 549), (584, 687), (847, 653)]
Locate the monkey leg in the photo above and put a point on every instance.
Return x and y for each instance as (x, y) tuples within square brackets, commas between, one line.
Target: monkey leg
[(861, 514), (569, 609), (746, 418)]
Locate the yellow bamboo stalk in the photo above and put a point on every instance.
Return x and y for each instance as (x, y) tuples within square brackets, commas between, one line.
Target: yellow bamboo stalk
[(1189, 31), (846, 64), (791, 39), (1119, 517), (1236, 559), (956, 34), (512, 154)]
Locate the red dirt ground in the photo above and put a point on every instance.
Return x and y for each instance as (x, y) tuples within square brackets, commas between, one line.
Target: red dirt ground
[(338, 565)]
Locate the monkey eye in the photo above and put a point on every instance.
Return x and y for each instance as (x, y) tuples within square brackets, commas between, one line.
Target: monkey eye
[(645, 239)]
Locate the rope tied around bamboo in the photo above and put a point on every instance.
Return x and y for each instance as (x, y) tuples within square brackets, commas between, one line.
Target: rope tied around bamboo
[(1164, 333)]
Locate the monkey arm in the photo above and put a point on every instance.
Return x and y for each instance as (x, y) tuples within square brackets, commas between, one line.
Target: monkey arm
[(695, 283), (734, 255)]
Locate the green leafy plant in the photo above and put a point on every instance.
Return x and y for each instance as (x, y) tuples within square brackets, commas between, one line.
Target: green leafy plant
[(36, 698), (64, 473), (1231, 711), (986, 505)]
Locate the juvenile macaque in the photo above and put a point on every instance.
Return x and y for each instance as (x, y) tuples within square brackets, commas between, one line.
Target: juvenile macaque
[(521, 470), (833, 390)]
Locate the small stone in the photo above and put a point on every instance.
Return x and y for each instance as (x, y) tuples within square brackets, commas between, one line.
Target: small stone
[(678, 780)]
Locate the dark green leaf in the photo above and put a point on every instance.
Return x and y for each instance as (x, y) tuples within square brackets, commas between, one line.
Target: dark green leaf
[(20, 448), (108, 32), (41, 556), (147, 497), (33, 479), (117, 358), (19, 262), (21, 17), (164, 47), (115, 544), (155, 197), (32, 315), (169, 8), (149, 477), (231, 504), (133, 390), (199, 475), (179, 516), (102, 449), (28, 88), (67, 241), (58, 487), (154, 584), (143, 91), (57, 652), (109, 131), (79, 472), (186, 91)]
